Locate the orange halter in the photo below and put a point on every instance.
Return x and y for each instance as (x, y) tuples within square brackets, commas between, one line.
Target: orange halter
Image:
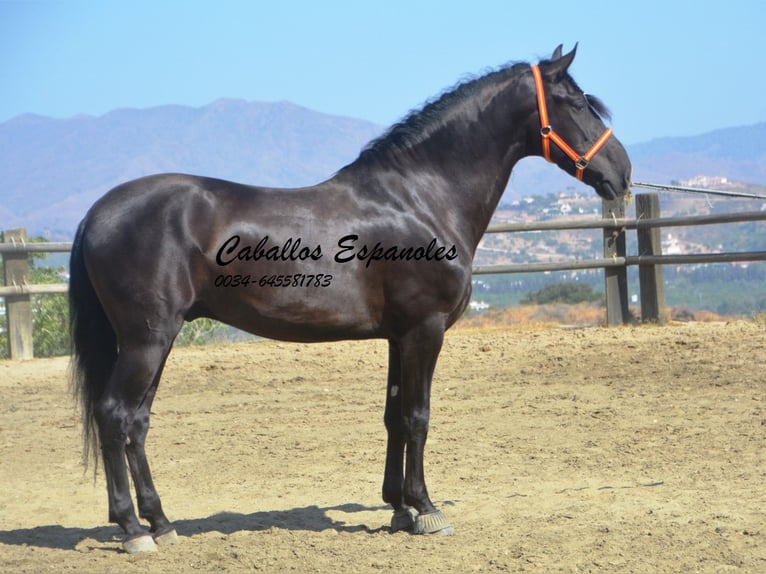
[(546, 131)]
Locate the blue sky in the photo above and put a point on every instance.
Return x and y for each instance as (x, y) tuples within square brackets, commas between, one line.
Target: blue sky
[(665, 68)]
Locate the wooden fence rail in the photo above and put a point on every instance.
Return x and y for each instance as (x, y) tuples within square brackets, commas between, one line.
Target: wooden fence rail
[(17, 290)]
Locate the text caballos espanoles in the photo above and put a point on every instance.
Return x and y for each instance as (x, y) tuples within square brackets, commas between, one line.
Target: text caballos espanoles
[(348, 248)]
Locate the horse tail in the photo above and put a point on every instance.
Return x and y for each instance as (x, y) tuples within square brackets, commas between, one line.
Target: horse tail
[(93, 347)]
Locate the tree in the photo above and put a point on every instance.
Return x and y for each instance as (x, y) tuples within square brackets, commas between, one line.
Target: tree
[(50, 315)]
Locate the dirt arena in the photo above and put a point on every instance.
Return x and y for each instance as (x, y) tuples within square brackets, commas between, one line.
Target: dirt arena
[(636, 449)]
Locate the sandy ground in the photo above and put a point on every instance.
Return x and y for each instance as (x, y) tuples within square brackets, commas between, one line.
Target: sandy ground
[(636, 449)]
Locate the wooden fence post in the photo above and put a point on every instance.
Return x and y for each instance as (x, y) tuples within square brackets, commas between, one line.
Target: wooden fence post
[(615, 278), (18, 308), (650, 277)]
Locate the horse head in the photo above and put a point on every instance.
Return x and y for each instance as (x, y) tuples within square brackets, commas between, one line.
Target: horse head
[(572, 133)]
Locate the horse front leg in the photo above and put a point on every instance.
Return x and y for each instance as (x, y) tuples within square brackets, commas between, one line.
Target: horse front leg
[(419, 350), (393, 481)]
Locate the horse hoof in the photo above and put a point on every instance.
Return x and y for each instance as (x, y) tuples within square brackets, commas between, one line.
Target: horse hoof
[(402, 520), (432, 523), (166, 538), (140, 544)]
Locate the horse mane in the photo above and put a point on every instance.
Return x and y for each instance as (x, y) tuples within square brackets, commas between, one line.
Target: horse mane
[(421, 122)]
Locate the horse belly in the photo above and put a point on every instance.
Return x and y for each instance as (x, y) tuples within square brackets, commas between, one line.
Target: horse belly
[(294, 303)]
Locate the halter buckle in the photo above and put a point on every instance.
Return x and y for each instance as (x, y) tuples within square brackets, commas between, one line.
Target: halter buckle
[(547, 133)]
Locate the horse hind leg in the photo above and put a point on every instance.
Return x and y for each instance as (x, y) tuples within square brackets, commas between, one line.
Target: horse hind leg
[(122, 414), (149, 504)]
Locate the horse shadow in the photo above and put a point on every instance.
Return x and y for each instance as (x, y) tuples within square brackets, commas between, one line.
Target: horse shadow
[(308, 518)]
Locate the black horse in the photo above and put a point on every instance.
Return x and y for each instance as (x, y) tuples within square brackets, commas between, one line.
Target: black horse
[(381, 250)]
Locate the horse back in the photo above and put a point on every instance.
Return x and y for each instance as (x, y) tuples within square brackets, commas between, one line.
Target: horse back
[(293, 264)]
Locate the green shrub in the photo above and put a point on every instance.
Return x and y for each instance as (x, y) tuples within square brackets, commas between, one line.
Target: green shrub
[(569, 293)]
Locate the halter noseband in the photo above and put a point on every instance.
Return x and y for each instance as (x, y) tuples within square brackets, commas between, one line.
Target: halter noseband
[(547, 133)]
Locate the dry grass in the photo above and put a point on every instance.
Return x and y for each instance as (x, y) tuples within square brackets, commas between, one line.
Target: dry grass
[(558, 314), (531, 316)]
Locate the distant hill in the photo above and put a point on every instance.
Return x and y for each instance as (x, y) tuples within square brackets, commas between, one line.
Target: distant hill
[(53, 169), (736, 153)]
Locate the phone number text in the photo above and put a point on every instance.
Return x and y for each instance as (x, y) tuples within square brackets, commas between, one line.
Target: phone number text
[(296, 280)]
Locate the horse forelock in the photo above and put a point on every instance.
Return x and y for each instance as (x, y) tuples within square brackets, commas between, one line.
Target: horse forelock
[(598, 107)]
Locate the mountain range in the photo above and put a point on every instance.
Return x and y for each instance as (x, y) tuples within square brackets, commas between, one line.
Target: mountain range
[(52, 170)]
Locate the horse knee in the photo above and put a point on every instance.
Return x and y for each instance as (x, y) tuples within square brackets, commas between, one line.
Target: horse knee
[(394, 424), (416, 423)]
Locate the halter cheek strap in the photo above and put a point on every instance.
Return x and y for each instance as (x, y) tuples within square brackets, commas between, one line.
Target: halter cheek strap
[(548, 135)]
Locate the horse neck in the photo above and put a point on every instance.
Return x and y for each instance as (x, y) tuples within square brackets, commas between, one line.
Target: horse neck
[(467, 160), (474, 193)]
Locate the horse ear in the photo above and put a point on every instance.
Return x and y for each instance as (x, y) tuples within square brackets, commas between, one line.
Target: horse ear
[(557, 52), (558, 64)]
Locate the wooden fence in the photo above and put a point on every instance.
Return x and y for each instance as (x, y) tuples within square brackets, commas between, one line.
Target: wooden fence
[(615, 262)]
